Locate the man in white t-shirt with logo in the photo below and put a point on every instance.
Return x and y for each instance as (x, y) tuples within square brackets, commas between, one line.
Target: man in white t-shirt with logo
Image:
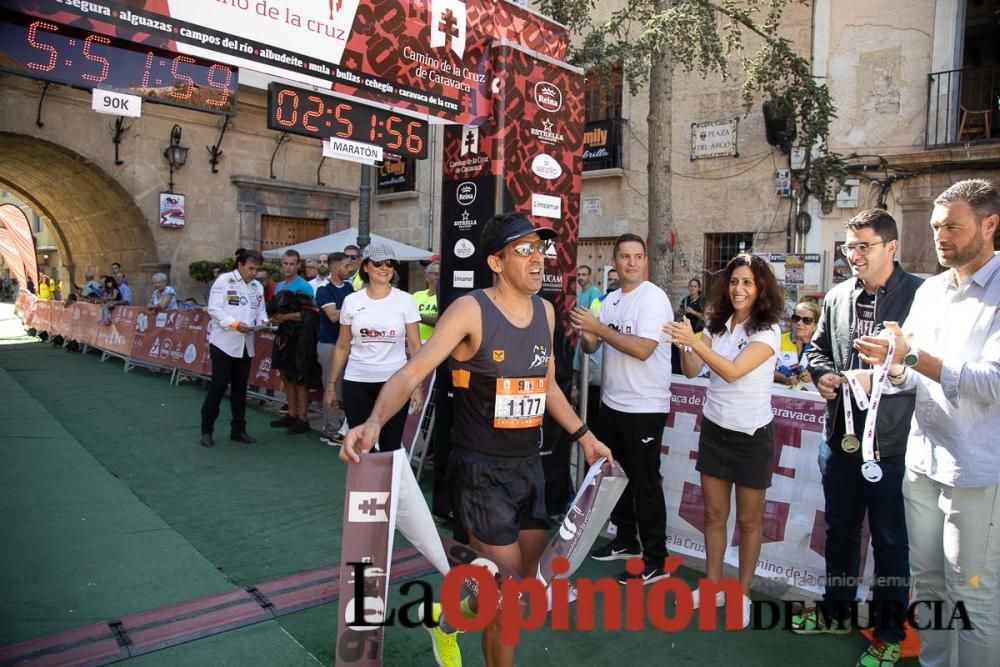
[(635, 400)]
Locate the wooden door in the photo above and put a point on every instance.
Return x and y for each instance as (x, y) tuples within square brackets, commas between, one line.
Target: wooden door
[(279, 231)]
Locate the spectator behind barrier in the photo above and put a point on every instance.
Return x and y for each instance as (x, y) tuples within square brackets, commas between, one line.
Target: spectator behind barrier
[(792, 368), (163, 296)]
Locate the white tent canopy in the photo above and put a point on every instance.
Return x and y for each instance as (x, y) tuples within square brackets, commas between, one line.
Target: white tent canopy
[(337, 241)]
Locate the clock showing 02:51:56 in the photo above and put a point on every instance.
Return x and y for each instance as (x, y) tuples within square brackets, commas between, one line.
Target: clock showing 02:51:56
[(312, 114)]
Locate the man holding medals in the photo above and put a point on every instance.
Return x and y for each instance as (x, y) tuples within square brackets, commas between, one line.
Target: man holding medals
[(949, 351), (865, 439)]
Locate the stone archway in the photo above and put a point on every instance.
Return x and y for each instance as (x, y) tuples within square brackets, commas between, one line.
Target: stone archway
[(94, 219)]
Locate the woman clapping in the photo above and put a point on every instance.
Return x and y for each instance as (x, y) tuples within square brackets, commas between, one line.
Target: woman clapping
[(736, 446), (378, 326)]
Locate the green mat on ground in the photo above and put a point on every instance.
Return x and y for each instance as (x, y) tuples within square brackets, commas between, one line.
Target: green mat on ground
[(112, 507)]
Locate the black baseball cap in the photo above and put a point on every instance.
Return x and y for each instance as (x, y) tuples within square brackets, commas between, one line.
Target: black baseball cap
[(505, 228)]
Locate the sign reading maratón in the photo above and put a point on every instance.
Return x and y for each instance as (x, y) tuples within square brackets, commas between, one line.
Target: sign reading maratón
[(352, 150)]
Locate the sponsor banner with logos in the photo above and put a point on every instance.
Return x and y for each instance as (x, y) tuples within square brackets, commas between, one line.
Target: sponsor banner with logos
[(793, 550), (381, 495), (543, 103), (116, 337), (431, 57)]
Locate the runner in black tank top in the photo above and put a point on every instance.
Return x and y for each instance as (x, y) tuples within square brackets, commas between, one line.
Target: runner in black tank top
[(500, 392), (500, 341)]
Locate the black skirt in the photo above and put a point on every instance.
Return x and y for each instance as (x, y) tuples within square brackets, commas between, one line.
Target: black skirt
[(745, 460)]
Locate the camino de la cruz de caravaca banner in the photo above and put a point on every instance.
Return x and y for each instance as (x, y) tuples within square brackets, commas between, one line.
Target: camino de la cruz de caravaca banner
[(793, 551), (429, 56)]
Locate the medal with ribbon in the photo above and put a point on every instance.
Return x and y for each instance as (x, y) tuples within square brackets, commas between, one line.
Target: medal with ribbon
[(850, 443), (870, 468)]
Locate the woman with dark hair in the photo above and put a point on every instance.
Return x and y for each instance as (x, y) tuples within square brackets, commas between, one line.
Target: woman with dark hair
[(236, 306), (378, 327), (736, 446), (692, 307), (110, 299)]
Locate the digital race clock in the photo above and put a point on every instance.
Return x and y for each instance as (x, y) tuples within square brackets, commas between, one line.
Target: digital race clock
[(314, 114), (62, 54)]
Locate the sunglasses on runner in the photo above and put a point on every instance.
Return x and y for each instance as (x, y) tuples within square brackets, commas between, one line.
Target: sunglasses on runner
[(379, 263), (805, 320), (528, 248), (352, 257)]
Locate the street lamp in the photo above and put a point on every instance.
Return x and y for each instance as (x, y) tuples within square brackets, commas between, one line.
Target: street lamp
[(175, 153)]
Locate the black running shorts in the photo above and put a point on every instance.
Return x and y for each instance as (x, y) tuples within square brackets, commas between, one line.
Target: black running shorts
[(496, 497)]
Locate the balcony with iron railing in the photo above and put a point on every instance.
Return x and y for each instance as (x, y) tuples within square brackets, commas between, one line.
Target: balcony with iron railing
[(963, 106), (602, 144)]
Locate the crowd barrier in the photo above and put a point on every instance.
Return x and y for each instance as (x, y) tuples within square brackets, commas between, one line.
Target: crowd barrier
[(176, 340), (794, 529)]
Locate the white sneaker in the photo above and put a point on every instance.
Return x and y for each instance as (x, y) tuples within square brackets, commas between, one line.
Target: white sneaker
[(747, 608), (720, 598)]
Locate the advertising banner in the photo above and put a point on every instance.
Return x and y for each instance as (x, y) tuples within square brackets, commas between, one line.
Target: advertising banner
[(381, 494), (428, 56), (13, 219), (542, 140), (794, 527), (116, 337), (262, 376)]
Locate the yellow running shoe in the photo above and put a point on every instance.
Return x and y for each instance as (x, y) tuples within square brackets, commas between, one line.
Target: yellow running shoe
[(446, 650)]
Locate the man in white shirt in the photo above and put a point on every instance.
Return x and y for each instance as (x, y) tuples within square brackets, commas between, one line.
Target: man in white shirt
[(949, 351), (635, 400), (236, 306), (322, 273)]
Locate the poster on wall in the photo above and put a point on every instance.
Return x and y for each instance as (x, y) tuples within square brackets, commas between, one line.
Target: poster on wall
[(841, 268), (171, 210)]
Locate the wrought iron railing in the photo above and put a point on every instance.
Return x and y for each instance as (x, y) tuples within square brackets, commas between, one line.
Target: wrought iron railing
[(963, 106)]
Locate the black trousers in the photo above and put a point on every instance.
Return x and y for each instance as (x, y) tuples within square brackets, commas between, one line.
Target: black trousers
[(641, 512), (359, 399), (232, 372)]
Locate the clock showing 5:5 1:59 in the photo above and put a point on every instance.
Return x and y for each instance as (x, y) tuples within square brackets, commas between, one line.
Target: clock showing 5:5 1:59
[(68, 55)]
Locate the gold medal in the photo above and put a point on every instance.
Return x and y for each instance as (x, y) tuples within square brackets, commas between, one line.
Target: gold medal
[(850, 443)]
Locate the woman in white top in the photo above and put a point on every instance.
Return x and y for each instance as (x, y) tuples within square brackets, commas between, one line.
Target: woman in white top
[(378, 327), (736, 446)]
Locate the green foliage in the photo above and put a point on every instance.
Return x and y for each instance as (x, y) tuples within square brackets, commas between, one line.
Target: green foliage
[(202, 270), (702, 35)]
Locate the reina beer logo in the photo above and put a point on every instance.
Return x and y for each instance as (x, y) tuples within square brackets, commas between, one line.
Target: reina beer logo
[(548, 97), (466, 193), (546, 166)]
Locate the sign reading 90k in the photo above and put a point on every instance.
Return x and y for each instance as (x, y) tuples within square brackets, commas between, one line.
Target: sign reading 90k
[(313, 114)]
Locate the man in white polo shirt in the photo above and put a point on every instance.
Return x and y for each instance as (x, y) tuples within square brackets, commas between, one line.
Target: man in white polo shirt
[(635, 401)]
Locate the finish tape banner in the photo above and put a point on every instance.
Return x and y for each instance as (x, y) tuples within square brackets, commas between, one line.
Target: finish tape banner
[(793, 551), (381, 494)]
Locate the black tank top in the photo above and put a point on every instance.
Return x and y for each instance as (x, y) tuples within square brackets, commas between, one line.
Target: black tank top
[(500, 391)]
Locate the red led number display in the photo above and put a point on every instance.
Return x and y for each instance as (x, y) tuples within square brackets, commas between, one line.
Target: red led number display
[(76, 57), (313, 114)]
